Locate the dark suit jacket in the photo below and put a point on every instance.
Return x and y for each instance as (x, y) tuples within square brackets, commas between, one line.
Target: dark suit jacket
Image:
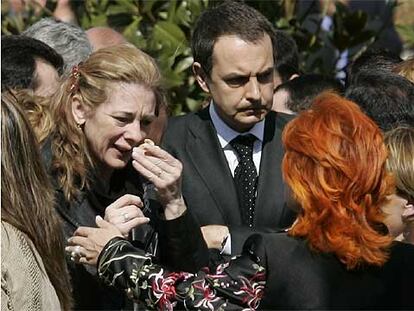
[(298, 278), (208, 186)]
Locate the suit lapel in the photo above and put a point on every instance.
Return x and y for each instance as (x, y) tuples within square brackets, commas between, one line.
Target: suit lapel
[(270, 184), (209, 160)]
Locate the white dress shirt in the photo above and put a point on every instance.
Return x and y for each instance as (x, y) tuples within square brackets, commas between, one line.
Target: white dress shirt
[(226, 134)]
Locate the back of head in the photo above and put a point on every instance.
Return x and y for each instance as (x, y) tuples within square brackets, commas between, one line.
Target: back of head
[(101, 37), (400, 143), (92, 82), (385, 97), (370, 61), (27, 199), (18, 61), (302, 90), (335, 165), (68, 40), (286, 55), (228, 18), (405, 69)]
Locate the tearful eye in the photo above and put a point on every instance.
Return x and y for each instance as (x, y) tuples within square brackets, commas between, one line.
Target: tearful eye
[(122, 120)]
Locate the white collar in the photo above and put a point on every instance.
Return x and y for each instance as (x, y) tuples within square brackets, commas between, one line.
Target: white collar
[(226, 134)]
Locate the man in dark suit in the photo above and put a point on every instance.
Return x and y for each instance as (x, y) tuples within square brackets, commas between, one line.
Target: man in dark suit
[(233, 62)]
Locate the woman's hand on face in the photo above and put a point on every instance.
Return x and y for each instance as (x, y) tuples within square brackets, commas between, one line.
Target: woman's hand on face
[(164, 171), (126, 214), (87, 243)]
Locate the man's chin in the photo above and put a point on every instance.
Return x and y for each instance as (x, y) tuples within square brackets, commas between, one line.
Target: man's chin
[(254, 117)]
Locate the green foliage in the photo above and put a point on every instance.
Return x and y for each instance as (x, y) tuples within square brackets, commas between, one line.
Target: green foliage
[(407, 33), (163, 29)]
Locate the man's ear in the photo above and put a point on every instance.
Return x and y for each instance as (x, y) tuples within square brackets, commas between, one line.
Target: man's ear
[(200, 76), (79, 111)]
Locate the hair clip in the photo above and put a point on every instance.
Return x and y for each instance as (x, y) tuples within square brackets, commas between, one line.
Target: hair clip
[(74, 77)]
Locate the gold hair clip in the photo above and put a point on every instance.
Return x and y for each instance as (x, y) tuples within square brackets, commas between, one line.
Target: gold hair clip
[(74, 76)]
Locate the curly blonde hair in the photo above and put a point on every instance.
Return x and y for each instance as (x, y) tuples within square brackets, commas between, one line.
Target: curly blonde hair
[(37, 111)]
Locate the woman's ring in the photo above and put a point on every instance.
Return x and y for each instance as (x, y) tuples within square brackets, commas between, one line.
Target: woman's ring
[(76, 254), (159, 173), (126, 217)]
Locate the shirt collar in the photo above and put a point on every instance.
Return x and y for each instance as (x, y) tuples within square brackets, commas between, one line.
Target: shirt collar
[(226, 134)]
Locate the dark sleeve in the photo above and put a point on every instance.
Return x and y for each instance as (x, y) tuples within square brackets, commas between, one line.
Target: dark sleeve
[(237, 283), (241, 234), (181, 244)]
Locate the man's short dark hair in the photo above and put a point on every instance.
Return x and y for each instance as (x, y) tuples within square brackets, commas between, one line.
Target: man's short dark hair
[(285, 55), (229, 18), (372, 60), (385, 97), (304, 89), (18, 66)]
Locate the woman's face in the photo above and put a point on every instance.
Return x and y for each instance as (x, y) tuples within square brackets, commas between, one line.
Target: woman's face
[(119, 124), (393, 210)]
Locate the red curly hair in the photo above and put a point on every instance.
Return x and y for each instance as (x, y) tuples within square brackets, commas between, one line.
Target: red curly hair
[(335, 166)]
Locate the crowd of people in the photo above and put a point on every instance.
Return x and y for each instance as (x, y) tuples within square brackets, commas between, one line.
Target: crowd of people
[(286, 190)]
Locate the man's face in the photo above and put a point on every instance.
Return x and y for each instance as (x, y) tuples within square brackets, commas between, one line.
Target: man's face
[(46, 78), (241, 80)]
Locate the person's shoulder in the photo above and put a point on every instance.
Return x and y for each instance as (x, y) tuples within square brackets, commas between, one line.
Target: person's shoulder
[(184, 120), (402, 252), (268, 243), (280, 118), (179, 126)]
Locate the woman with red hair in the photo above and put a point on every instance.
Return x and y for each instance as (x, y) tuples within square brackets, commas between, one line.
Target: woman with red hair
[(337, 255), (335, 166)]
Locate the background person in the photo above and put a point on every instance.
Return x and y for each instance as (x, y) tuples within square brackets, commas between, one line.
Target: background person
[(297, 94), (335, 256), (33, 269), (28, 63), (286, 57), (400, 161), (385, 97), (69, 40), (100, 37)]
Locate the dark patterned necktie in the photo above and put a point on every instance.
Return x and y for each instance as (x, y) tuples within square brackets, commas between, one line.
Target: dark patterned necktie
[(245, 176)]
